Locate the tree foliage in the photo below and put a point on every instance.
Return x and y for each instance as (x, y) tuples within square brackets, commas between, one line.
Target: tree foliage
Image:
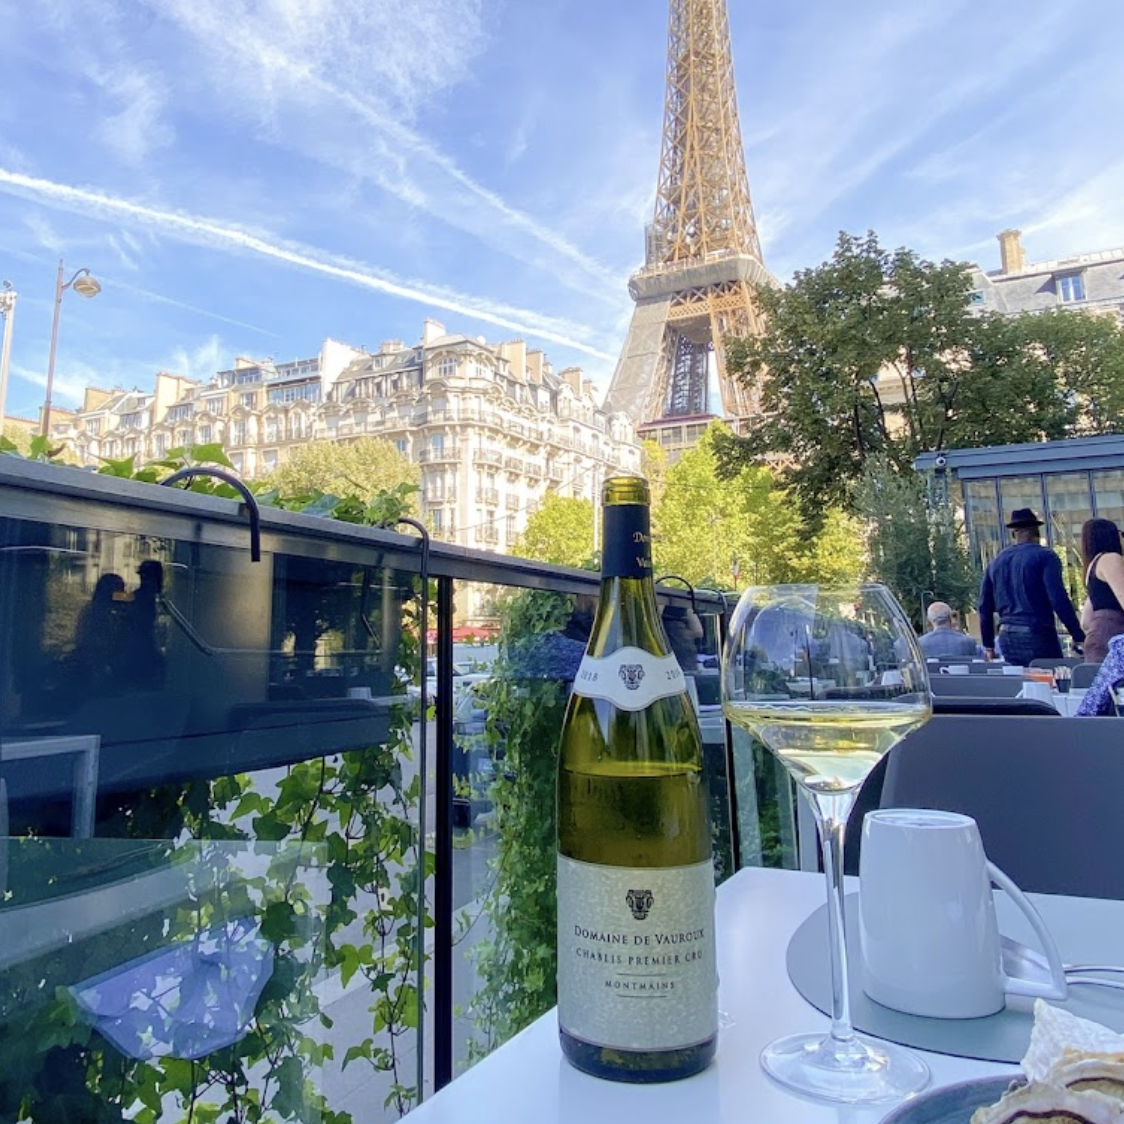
[(916, 548), (879, 354), (703, 523), (360, 468), (559, 530)]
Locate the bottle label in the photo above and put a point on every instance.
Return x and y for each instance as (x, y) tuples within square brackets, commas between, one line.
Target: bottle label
[(636, 962), (627, 538), (629, 678)]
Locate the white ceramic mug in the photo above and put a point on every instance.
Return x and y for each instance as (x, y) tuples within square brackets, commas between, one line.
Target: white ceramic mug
[(930, 941), (955, 669)]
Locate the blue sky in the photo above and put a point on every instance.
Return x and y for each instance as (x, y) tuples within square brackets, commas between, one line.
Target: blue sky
[(246, 177)]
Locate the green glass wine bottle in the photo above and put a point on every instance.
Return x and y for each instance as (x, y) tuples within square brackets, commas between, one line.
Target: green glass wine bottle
[(637, 978)]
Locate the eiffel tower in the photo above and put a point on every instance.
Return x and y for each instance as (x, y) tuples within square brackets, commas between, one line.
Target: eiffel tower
[(702, 254)]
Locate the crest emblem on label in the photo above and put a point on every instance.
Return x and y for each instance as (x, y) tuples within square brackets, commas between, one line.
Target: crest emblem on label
[(632, 674), (630, 678), (640, 902)]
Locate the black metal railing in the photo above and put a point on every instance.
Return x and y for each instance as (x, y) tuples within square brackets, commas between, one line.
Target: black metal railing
[(232, 707)]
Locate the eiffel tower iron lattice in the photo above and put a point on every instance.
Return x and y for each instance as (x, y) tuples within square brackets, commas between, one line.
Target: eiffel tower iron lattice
[(702, 253)]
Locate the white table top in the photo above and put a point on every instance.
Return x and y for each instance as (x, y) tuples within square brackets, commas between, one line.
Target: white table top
[(527, 1081)]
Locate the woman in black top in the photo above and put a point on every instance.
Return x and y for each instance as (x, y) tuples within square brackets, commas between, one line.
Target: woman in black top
[(1102, 616)]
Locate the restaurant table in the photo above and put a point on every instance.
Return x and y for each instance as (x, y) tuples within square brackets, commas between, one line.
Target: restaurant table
[(1066, 703), (527, 1081)]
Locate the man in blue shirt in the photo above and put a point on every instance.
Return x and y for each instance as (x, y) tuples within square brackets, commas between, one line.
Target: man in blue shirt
[(1023, 585), (945, 640)]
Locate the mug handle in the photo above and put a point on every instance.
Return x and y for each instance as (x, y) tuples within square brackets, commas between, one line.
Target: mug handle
[(1017, 985)]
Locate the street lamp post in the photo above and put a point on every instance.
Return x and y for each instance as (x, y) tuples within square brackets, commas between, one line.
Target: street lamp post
[(85, 286), (8, 311)]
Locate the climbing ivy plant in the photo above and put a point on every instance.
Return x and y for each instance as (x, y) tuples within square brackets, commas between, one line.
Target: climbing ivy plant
[(347, 820)]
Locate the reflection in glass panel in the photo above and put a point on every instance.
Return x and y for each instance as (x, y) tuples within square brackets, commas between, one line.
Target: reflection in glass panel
[(210, 762), (988, 533), (1020, 491), (1069, 504), (1108, 491)]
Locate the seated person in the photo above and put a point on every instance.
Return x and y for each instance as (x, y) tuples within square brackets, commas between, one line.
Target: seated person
[(944, 640)]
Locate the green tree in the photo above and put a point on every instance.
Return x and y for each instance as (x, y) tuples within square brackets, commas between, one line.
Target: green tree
[(701, 523), (916, 548), (559, 530), (880, 354), (838, 553), (360, 468)]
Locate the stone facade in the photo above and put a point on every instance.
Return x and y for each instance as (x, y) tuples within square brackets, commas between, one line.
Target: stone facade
[(1093, 282), (492, 427)]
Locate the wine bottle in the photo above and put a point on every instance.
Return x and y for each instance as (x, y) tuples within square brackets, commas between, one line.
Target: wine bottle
[(637, 978)]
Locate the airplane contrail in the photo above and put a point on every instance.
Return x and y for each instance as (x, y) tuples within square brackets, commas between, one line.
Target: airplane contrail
[(197, 227)]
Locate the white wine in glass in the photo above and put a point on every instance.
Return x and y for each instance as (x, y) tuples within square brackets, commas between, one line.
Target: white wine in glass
[(829, 680)]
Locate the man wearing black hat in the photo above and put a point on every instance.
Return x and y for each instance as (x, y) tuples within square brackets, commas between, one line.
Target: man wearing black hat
[(1024, 586)]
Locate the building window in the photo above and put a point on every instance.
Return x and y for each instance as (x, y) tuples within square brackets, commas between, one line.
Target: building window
[(402, 445), (160, 444), (238, 433), (446, 366), (250, 401), (975, 297), (269, 459), (438, 520), (1070, 287), (241, 378), (511, 531), (437, 444), (204, 435), (93, 425), (271, 429), (130, 421), (307, 392)]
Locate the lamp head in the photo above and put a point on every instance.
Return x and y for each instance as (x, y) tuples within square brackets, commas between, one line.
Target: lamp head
[(85, 285)]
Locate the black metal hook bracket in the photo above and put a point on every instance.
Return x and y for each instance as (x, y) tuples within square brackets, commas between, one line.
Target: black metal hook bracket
[(690, 589), (227, 478)]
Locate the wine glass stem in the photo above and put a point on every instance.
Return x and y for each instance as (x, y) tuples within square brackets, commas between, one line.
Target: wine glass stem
[(831, 811)]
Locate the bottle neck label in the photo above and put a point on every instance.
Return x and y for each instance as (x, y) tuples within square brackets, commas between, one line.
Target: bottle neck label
[(627, 539), (629, 678)]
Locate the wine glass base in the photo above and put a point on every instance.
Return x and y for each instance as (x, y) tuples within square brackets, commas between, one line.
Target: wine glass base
[(865, 1072)]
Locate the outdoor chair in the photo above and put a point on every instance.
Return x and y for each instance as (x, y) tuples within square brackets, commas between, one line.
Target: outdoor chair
[(1083, 676), (954, 704), (1048, 796), (976, 686)]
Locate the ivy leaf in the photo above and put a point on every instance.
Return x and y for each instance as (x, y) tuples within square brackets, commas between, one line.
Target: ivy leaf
[(289, 1097), (122, 468)]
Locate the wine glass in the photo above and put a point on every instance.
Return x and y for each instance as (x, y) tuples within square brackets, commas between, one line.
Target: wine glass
[(829, 679)]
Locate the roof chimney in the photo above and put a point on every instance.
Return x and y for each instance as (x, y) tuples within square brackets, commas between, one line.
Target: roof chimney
[(572, 375), (432, 330), (515, 352), (534, 366), (1011, 253)]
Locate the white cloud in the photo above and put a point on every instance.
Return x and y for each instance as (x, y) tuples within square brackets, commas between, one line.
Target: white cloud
[(139, 127), (200, 362), (44, 232), (339, 81), (119, 251), (210, 232)]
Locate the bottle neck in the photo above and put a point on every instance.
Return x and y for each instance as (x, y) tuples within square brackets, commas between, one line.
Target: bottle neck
[(627, 542), (627, 613)]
